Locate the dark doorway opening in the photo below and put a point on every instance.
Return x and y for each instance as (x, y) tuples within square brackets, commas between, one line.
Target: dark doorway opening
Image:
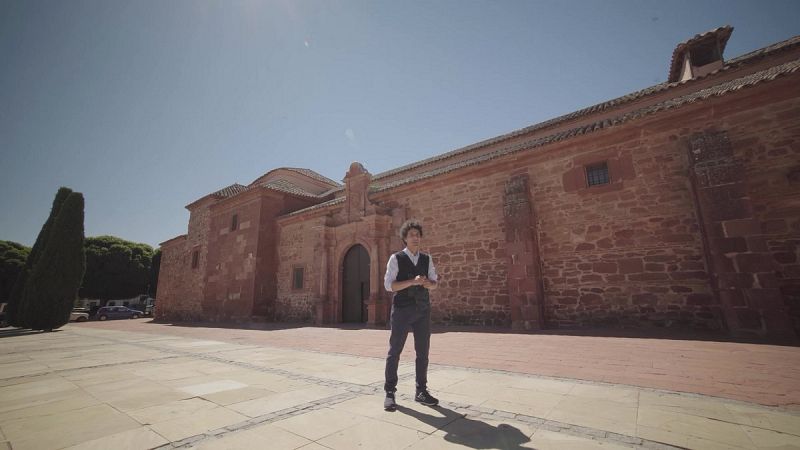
[(355, 285)]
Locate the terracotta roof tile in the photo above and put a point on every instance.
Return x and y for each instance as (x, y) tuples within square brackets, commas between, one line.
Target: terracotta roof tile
[(723, 33), (734, 63), (331, 202), (311, 174), (713, 91), (282, 185), (717, 90), (229, 191), (755, 54)]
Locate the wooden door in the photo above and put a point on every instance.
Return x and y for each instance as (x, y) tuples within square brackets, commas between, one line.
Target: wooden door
[(355, 285)]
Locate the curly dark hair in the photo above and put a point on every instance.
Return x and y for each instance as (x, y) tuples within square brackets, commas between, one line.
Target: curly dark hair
[(408, 225)]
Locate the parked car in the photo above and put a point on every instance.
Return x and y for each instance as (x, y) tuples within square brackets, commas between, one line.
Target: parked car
[(117, 312), (78, 315)]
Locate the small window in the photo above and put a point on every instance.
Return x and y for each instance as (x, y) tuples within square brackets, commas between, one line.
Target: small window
[(195, 258), (297, 278), (597, 174), (705, 54), (235, 222)]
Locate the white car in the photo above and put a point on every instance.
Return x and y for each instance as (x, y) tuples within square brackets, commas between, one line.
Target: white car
[(78, 316)]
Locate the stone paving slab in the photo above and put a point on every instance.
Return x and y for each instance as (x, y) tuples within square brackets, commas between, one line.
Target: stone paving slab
[(212, 394), (756, 373)]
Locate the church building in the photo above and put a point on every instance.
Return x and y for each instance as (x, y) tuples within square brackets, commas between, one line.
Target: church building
[(676, 206)]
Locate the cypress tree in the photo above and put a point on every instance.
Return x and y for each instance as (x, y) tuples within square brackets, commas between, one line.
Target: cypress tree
[(17, 292), (55, 279)]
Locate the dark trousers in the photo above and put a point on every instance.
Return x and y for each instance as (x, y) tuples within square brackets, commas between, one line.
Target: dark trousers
[(416, 318)]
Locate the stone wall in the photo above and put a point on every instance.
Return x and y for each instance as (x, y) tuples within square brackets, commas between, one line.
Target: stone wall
[(699, 227), (183, 284), (766, 142), (171, 276), (627, 254), (243, 263), (232, 259), (296, 249), (463, 232)]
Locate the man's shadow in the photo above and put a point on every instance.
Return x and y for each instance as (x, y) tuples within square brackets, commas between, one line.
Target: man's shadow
[(469, 432)]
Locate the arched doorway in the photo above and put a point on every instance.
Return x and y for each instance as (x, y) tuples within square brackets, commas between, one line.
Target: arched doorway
[(355, 285)]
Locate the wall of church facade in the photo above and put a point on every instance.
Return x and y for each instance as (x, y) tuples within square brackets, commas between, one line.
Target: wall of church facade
[(697, 228), (232, 259), (463, 231), (767, 141), (182, 272), (296, 250), (629, 256)]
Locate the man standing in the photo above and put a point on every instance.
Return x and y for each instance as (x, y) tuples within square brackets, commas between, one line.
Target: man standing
[(410, 275)]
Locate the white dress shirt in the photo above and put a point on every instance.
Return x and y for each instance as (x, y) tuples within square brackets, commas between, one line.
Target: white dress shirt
[(392, 269)]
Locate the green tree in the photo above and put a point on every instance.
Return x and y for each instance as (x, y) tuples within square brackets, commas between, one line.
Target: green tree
[(115, 268), (53, 284), (18, 291), (12, 261)]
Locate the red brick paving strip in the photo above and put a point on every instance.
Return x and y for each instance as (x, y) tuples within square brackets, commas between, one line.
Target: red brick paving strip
[(765, 374)]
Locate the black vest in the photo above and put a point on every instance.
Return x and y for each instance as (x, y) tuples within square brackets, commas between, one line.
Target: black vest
[(408, 271)]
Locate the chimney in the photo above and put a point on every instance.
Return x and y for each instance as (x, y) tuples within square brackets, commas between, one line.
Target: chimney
[(700, 55)]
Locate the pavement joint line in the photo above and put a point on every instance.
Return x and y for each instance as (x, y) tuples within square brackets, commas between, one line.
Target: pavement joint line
[(787, 409), (288, 374), (50, 349), (315, 380), (353, 390), (748, 425), (782, 409), (496, 415), (276, 416), (98, 366)]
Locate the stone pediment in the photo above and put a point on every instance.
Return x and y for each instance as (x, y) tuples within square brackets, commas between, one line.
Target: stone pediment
[(357, 205)]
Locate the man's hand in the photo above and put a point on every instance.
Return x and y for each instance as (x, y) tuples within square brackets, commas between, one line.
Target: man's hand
[(419, 280)]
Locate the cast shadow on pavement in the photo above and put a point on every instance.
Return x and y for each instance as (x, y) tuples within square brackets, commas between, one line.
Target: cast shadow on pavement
[(470, 432), (11, 332)]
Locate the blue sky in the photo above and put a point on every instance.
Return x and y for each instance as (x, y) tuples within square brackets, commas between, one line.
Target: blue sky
[(148, 105)]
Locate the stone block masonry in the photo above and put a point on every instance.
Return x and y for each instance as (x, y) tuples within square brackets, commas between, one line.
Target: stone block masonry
[(673, 207)]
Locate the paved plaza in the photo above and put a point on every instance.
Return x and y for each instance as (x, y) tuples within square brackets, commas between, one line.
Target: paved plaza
[(141, 385)]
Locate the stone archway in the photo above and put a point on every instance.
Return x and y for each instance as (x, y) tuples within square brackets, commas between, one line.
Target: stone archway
[(355, 284)]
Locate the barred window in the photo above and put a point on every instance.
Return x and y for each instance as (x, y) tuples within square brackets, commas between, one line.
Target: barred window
[(235, 222), (297, 278), (597, 174), (195, 258)]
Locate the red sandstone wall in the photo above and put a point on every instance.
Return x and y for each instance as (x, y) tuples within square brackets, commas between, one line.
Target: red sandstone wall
[(242, 278), (183, 297), (170, 277), (463, 232), (232, 260), (267, 264), (625, 257), (297, 249), (630, 255), (767, 140)]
